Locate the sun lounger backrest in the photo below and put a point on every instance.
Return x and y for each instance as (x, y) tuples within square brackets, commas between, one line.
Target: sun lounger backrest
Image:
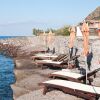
[(59, 57), (90, 74), (64, 58)]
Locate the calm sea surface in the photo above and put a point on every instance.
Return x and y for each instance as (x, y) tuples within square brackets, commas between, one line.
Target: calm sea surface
[(5, 37), (7, 76)]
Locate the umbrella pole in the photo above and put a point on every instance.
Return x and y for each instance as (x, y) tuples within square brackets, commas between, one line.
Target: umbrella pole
[(46, 42), (86, 67)]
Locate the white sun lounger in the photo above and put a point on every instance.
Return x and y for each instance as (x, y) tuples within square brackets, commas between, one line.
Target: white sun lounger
[(66, 74), (62, 63), (44, 56), (51, 62), (71, 76), (81, 90)]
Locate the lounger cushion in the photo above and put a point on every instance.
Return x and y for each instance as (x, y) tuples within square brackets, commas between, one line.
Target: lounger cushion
[(45, 55), (67, 74), (51, 62), (74, 85), (59, 57)]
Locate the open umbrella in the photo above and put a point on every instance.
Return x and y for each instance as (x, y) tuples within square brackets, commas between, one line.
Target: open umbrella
[(85, 32)]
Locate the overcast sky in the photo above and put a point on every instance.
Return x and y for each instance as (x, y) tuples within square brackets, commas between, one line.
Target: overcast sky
[(18, 17)]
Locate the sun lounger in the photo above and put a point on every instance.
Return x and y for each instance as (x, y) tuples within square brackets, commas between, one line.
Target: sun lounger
[(50, 63), (74, 76), (60, 57), (84, 91), (48, 56), (62, 63), (43, 56)]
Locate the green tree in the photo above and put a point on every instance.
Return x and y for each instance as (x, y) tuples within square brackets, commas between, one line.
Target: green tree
[(66, 31), (63, 31), (36, 31)]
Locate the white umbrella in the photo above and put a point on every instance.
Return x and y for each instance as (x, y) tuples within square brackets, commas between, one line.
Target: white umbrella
[(78, 32)]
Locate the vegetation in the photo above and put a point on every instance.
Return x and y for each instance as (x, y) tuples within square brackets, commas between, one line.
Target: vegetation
[(36, 31), (64, 31)]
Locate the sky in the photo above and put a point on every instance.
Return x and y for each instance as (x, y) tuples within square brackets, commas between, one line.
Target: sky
[(19, 17)]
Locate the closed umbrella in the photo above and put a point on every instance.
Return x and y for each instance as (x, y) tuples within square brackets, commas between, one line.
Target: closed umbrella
[(71, 40), (45, 39), (78, 33), (99, 29), (72, 37), (50, 38), (85, 32)]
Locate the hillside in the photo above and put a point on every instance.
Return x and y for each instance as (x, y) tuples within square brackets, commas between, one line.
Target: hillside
[(95, 15)]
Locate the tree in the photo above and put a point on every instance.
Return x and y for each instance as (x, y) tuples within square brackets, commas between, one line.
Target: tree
[(63, 31), (66, 31), (36, 31)]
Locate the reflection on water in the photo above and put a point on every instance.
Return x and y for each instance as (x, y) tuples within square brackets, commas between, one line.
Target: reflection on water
[(7, 77)]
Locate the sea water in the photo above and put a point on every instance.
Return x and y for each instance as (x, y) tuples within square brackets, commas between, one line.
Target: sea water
[(7, 76)]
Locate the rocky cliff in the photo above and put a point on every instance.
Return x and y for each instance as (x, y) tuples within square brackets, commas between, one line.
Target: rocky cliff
[(95, 15)]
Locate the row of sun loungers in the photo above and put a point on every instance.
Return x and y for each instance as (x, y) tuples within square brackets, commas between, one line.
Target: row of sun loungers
[(73, 84), (68, 82), (58, 61)]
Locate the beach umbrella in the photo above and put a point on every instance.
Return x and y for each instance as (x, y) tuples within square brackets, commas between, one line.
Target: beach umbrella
[(50, 37), (78, 32), (98, 29), (45, 38), (85, 32), (72, 37), (71, 41)]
